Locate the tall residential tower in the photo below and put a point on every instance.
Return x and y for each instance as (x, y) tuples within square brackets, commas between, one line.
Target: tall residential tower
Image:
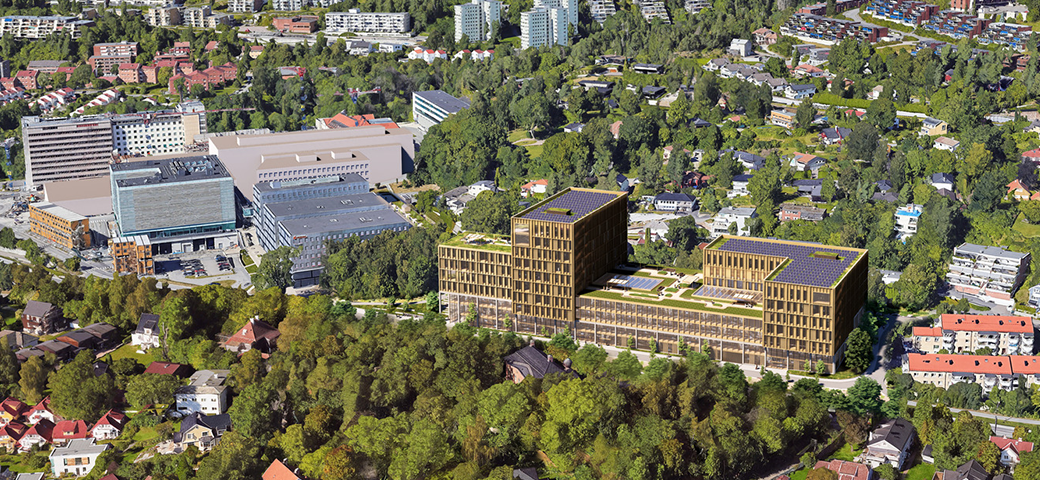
[(475, 19)]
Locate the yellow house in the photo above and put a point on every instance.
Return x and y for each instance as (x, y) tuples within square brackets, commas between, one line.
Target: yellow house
[(12, 409), (202, 431), (10, 434)]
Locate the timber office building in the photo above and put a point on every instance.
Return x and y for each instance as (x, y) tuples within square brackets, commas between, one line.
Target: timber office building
[(767, 302)]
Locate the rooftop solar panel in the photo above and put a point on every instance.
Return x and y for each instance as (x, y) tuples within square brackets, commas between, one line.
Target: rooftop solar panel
[(805, 268), (570, 206)]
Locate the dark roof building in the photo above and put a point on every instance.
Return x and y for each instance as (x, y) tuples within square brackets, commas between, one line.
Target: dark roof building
[(529, 473), (531, 362), (969, 471)]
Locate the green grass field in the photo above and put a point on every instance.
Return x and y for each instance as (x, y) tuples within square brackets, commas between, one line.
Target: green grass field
[(130, 351), (923, 471), (844, 453), (1026, 229)]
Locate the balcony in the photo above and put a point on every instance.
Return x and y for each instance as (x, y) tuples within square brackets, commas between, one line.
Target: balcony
[(989, 382)]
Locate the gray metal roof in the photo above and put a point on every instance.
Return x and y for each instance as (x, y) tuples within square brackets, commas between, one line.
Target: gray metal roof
[(307, 182), (327, 205), (444, 101), (990, 251), (79, 446), (337, 223)]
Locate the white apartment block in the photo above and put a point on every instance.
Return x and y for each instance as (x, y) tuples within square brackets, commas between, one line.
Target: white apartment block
[(652, 9), (991, 274), (358, 21), (23, 26), (59, 149), (475, 19), (245, 6), (988, 371), (956, 333), (544, 26), (203, 17), (906, 220), (570, 5), (205, 392), (166, 16), (695, 6), (600, 10), (289, 5)]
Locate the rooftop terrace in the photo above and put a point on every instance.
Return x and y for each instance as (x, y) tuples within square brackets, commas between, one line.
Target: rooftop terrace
[(672, 288)]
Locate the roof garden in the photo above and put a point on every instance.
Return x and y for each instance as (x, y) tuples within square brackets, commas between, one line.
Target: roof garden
[(481, 241), (570, 205), (672, 289), (807, 263)]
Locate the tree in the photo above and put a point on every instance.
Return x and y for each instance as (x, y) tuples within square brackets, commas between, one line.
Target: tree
[(151, 388), (249, 371), (589, 359), (882, 113), (1031, 210), (490, 212), (864, 397), (174, 322), (989, 456), (886, 471), (251, 413), (860, 351), (862, 141), (275, 268), (853, 427), (77, 393), (804, 115), (33, 380)]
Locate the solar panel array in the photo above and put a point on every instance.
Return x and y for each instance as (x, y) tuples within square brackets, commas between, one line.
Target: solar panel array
[(579, 202), (637, 283), (803, 269)]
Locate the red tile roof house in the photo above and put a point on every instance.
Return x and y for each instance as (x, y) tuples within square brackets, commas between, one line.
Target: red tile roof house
[(278, 471), (109, 426), (847, 470), (255, 334), (9, 83), (39, 434), (167, 368), (1011, 450), (10, 434), (67, 430), (42, 411), (12, 409)]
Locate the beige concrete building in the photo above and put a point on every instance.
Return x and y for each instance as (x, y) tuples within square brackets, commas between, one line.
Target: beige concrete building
[(943, 370), (956, 333), (59, 149), (377, 154)]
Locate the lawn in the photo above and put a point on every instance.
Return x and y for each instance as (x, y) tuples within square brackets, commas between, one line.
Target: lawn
[(843, 453), (130, 351), (519, 134), (1026, 229), (801, 474), (535, 151), (923, 471)]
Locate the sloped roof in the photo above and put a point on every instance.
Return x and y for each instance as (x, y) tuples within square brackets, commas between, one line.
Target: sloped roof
[(1016, 445), (532, 362), (278, 471), (253, 331), (897, 432), (36, 309)]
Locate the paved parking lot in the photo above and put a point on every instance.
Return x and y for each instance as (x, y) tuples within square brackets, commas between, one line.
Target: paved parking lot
[(173, 267)]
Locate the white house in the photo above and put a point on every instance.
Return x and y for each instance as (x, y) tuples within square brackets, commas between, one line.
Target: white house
[(1034, 296), (147, 334), (946, 143), (740, 47), (740, 186), (1011, 450), (890, 444), (42, 411), (205, 392), (906, 220), (77, 458), (807, 162), (799, 91), (109, 426), (675, 202), (732, 215), (941, 181), (534, 186)]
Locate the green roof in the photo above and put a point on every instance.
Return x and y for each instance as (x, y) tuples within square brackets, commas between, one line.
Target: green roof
[(674, 302), (494, 246)]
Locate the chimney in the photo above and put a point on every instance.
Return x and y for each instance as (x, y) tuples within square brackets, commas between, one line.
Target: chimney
[(549, 357), (531, 343)]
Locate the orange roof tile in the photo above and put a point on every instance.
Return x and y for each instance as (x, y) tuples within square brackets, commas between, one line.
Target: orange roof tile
[(1013, 443), (1025, 364), (986, 323), (997, 365), (278, 471), (927, 332)]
